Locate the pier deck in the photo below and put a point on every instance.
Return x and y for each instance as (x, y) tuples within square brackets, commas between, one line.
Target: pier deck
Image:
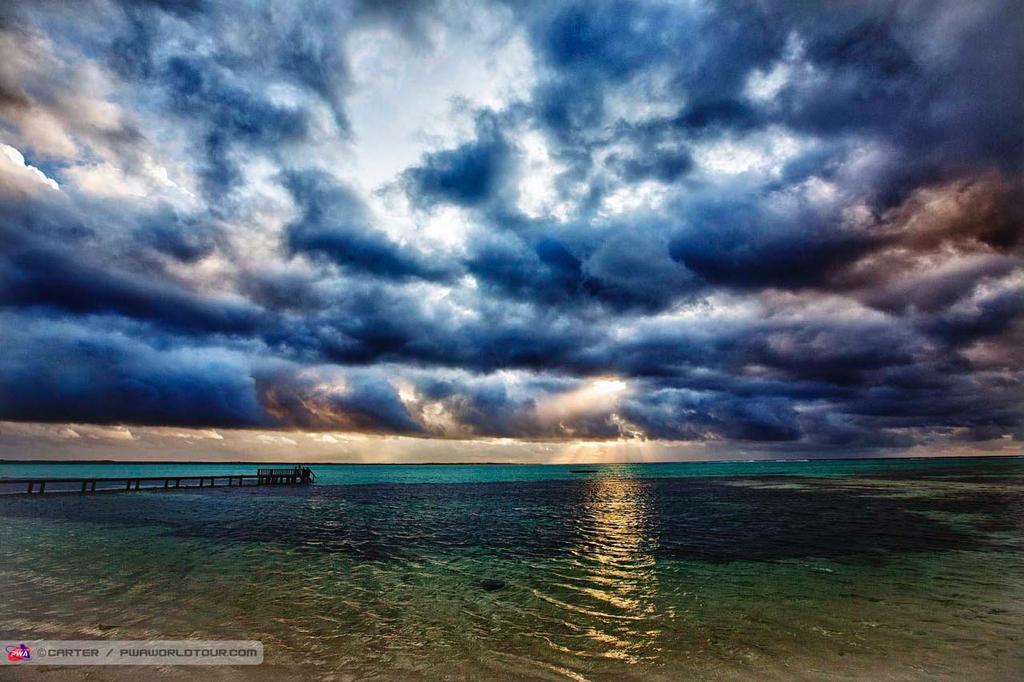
[(301, 475)]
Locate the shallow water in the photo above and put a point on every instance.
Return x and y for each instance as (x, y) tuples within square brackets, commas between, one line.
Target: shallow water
[(879, 569)]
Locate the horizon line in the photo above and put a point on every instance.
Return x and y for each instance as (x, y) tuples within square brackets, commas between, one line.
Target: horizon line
[(492, 463)]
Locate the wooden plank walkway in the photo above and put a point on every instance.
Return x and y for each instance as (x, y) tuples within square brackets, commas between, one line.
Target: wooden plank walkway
[(300, 475)]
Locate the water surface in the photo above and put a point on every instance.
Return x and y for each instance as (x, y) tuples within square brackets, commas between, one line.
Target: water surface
[(880, 569)]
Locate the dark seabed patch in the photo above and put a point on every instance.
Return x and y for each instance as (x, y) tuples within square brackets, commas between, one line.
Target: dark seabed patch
[(707, 519)]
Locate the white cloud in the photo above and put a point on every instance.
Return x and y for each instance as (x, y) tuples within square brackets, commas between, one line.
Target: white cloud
[(148, 180), (402, 103), (21, 176), (185, 434), (760, 153), (105, 180), (105, 433), (763, 86), (537, 196), (643, 196)]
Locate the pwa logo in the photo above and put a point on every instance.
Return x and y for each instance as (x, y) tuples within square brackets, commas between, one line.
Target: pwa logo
[(17, 654)]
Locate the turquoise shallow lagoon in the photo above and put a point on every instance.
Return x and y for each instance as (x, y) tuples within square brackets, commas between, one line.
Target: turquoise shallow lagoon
[(856, 569), (352, 474)]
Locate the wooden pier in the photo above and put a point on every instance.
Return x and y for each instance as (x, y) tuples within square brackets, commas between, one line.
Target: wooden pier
[(300, 475)]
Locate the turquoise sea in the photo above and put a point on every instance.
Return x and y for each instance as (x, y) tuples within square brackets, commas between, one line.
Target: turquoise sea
[(852, 569)]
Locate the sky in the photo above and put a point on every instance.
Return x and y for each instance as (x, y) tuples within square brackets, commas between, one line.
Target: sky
[(511, 231)]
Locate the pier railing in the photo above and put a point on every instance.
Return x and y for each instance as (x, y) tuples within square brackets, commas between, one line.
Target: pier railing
[(300, 475)]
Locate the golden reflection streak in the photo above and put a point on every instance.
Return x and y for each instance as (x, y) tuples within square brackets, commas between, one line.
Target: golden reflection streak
[(613, 585)]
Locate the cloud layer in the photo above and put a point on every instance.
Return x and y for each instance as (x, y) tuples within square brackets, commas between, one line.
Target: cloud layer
[(782, 226)]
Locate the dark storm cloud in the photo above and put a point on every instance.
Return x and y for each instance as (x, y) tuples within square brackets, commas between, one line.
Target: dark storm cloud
[(469, 175), (865, 81), (593, 50), (793, 224), (182, 237), (366, 402), (950, 103), (36, 273), (649, 164), (544, 270), (370, 321), (865, 68), (989, 317), (59, 372), (618, 266), (681, 415), (335, 225), (739, 244), (212, 62), (232, 114)]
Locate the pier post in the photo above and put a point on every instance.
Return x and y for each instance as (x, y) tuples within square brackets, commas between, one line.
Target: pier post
[(128, 484), (30, 484), (93, 487)]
